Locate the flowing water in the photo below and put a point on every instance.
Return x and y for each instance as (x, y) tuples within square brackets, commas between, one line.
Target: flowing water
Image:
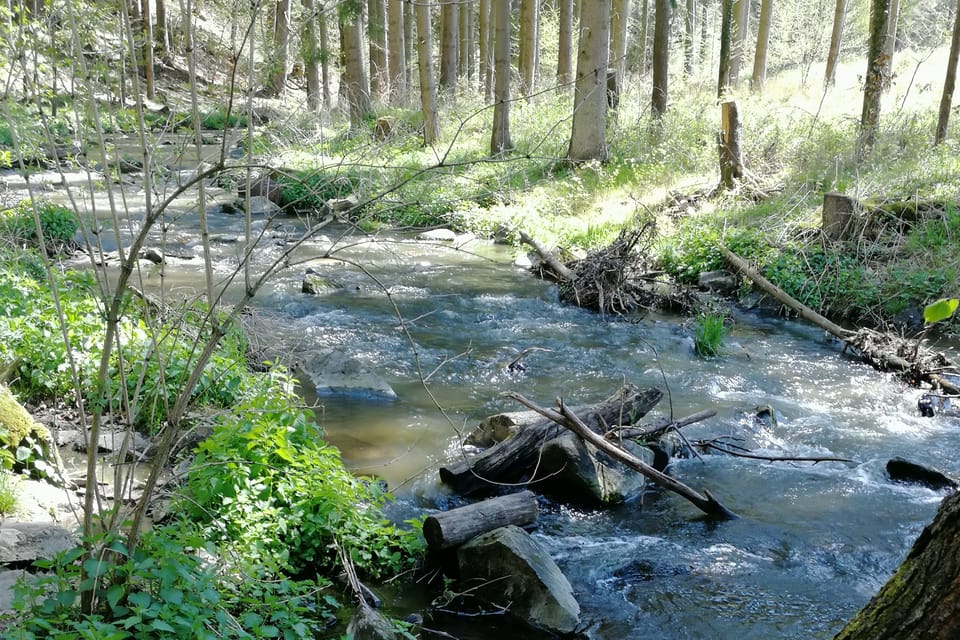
[(814, 541)]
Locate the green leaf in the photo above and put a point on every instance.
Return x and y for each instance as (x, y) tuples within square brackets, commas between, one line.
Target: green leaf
[(160, 625), (940, 310), (140, 599), (114, 594)]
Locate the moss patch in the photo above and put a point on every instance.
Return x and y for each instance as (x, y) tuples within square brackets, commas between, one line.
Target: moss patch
[(17, 426)]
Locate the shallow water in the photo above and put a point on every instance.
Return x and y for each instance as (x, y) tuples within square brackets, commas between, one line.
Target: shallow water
[(814, 541)]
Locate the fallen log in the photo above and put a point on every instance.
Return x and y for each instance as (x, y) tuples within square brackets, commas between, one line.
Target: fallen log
[(569, 420), (883, 351), (516, 458), (452, 528)]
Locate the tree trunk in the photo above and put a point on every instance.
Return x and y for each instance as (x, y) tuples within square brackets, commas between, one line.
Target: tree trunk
[(619, 25), (876, 70), (689, 41), (147, 61), (731, 165), (726, 33), (948, 85), (516, 457), (922, 599), (839, 15), (661, 58), (397, 58), (449, 44), (452, 528), (310, 52), (500, 137), (357, 85), (486, 50), (160, 32), (281, 41), (763, 38), (529, 44), (890, 41), (377, 30), (324, 58), (409, 20), (741, 30), (468, 41), (644, 35), (588, 134), (428, 90), (564, 57)]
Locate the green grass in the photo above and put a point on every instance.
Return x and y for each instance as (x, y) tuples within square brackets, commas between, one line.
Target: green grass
[(8, 492), (709, 331)]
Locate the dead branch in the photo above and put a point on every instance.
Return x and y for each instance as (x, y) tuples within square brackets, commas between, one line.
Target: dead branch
[(740, 452), (569, 420), (656, 430)]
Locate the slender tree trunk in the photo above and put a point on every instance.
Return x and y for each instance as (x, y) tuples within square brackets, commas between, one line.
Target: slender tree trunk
[(310, 52), (397, 58), (920, 601), (644, 35), (839, 16), (890, 41), (428, 90), (324, 58), (946, 99), (689, 42), (619, 25), (357, 84), (500, 136), (529, 45), (281, 44), (588, 135), (661, 58), (486, 51), (565, 44), (449, 44), (147, 61), (409, 20), (876, 70), (706, 46), (377, 30), (738, 49), (160, 32), (726, 33), (763, 39)]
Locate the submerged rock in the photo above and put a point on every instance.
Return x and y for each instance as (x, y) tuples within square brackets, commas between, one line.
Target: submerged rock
[(905, 471), (579, 472), (315, 284), (508, 567), (337, 373)]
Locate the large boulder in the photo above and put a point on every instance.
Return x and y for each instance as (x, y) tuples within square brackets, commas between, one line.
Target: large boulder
[(578, 472), (333, 372), (21, 543), (507, 566)]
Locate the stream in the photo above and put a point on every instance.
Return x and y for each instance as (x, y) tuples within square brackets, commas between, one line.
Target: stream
[(814, 541)]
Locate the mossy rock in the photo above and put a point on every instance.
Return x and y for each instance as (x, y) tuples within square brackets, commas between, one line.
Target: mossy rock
[(18, 428)]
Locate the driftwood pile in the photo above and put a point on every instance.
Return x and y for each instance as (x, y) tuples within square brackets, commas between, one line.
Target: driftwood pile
[(619, 279)]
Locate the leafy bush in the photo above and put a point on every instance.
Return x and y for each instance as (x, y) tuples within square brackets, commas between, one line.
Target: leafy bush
[(266, 486), (310, 190), (57, 223)]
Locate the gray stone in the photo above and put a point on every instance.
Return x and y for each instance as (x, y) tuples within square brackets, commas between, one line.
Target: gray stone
[(722, 281), (507, 566), (28, 541), (111, 441), (578, 472), (438, 235), (333, 372), (260, 206), (340, 205), (315, 284), (369, 624)]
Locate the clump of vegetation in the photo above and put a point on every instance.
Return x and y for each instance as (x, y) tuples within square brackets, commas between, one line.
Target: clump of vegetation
[(58, 224), (709, 331), (8, 492)]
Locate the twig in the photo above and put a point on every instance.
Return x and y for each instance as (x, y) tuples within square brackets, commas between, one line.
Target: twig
[(658, 430), (709, 444)]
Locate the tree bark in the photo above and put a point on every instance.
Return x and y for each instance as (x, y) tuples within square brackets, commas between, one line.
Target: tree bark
[(763, 39), (949, 83), (922, 599), (661, 58), (409, 20), (644, 34), (890, 41), (468, 47), (310, 52), (147, 40), (449, 44), (726, 34), (619, 26), (428, 90), (281, 45), (877, 69), (564, 57), (357, 84), (324, 59), (836, 37), (689, 41), (588, 133), (529, 45), (516, 457), (377, 30), (486, 49), (397, 57), (160, 34), (731, 164), (452, 528), (738, 49), (500, 136)]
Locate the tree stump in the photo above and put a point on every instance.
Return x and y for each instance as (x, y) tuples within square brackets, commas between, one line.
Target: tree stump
[(728, 145), (839, 217)]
